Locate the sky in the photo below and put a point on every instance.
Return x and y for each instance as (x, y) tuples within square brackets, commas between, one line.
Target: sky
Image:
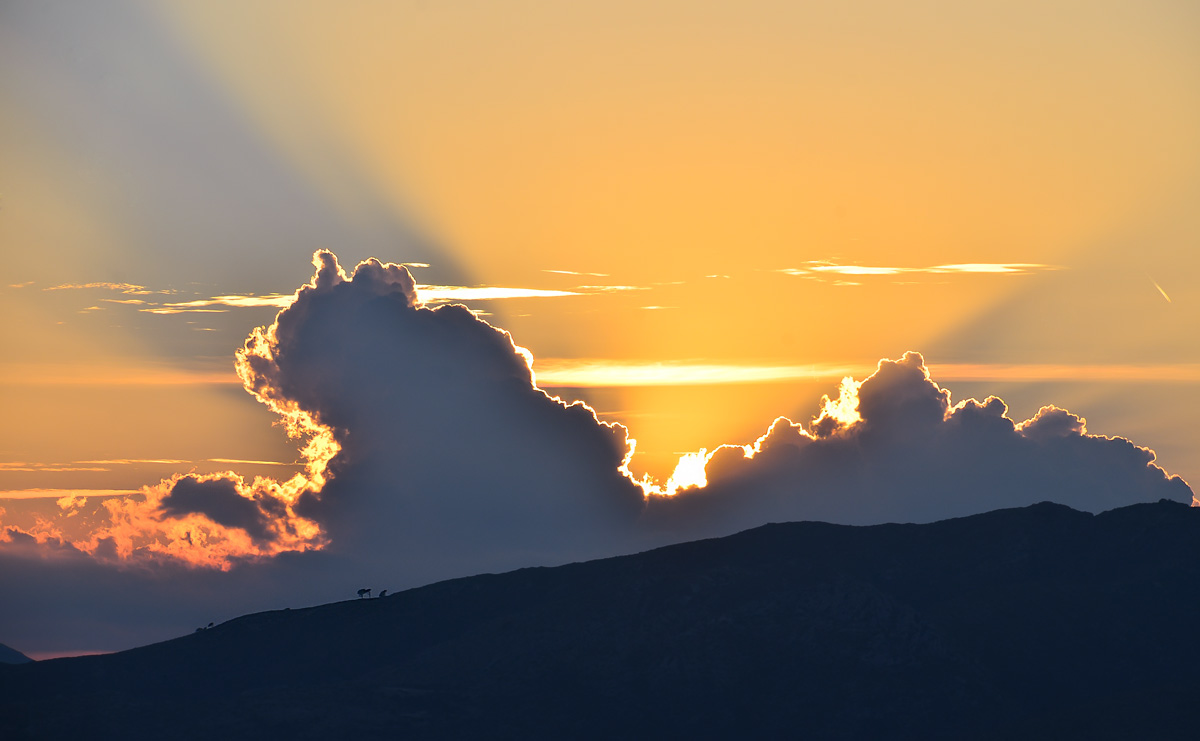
[(695, 218)]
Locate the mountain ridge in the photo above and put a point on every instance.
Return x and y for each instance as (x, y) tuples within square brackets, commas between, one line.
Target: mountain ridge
[(9, 655), (1040, 621)]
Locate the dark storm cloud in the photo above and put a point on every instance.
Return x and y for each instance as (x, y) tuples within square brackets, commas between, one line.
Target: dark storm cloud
[(448, 450), (220, 501), (912, 457)]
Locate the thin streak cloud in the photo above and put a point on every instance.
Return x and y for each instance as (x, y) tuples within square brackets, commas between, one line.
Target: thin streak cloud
[(23, 467), (96, 465), (576, 272), (137, 461), (610, 289), (1160, 290), (819, 268), (168, 310), (426, 294), (60, 493), (245, 301), (128, 288)]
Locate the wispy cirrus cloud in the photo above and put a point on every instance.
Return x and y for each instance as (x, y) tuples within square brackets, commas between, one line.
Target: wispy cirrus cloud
[(95, 465), (127, 288), (576, 272), (610, 289), (27, 467), (208, 305), (58, 494), (427, 293), (823, 269), (1160, 290)]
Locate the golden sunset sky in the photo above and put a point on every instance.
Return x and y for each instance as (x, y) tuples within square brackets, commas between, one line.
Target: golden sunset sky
[(697, 216)]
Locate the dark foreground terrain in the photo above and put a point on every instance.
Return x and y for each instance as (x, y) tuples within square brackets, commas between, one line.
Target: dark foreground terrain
[(1040, 622)]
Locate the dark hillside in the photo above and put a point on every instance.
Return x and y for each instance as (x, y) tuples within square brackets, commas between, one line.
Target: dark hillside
[(12, 656), (1041, 622)]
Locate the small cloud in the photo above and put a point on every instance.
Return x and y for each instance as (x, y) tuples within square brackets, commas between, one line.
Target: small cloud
[(221, 501), (1160, 290), (59, 494), (574, 272), (168, 311), (20, 285), (71, 504), (137, 461), (91, 466), (127, 288), (253, 462), (610, 289), (128, 301), (655, 307), (817, 269), (241, 301)]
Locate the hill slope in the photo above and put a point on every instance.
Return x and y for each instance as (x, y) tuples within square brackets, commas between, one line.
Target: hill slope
[(1040, 622), (12, 656)]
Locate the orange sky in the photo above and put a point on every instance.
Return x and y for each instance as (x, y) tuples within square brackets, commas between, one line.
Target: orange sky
[(711, 181)]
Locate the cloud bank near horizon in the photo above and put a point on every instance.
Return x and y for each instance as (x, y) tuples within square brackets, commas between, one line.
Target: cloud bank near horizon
[(425, 433), (429, 450), (894, 448)]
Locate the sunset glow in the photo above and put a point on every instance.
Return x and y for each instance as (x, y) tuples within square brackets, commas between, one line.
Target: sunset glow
[(410, 291)]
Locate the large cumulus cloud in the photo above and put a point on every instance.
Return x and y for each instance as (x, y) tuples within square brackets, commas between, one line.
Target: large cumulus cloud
[(428, 448), (893, 448), (443, 437)]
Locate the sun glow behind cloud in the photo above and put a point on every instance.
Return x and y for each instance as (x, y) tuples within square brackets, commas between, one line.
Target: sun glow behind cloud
[(950, 153), (219, 519), (613, 373), (600, 373)]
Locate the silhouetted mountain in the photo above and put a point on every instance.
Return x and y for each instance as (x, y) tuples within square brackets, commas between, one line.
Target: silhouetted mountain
[(12, 656), (1041, 622)]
